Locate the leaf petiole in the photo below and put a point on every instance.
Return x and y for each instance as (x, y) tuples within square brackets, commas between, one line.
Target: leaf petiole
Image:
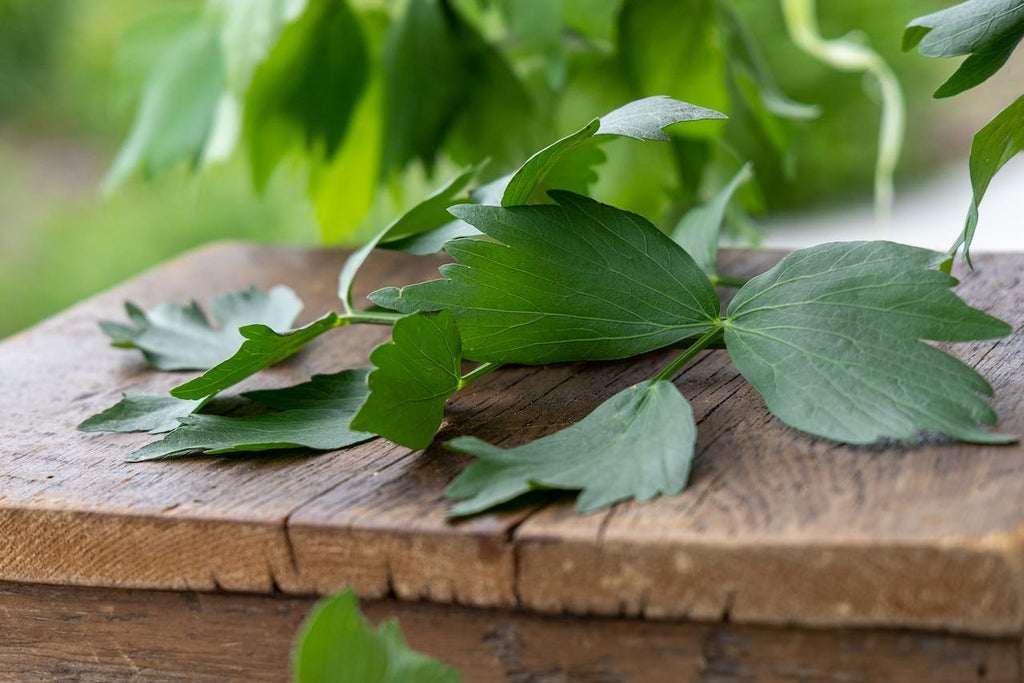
[(369, 318), (478, 372), (686, 356), (726, 281)]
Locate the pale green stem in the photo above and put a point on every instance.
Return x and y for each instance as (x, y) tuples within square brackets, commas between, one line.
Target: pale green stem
[(725, 281), (686, 356), (478, 372), (369, 317), (849, 55)]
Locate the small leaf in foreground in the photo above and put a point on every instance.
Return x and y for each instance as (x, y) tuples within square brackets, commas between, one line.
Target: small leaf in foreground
[(636, 445), (316, 415), (335, 644), (175, 337), (153, 413), (574, 281), (831, 338), (697, 232), (262, 348), (415, 376)]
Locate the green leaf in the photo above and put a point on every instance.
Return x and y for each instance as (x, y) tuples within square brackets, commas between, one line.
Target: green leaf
[(176, 113), (415, 376), (262, 348), (335, 645), (641, 119), (574, 281), (1000, 140), (153, 413), (308, 87), (314, 415), (636, 445), (831, 338), (986, 30), (429, 214), (175, 337), (697, 232)]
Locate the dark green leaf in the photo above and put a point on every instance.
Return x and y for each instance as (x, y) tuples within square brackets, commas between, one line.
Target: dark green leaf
[(335, 645), (995, 144), (698, 230), (636, 445), (574, 281), (153, 413), (177, 109), (985, 30), (307, 88), (641, 119), (830, 337), (316, 415), (414, 377), (175, 337), (262, 348)]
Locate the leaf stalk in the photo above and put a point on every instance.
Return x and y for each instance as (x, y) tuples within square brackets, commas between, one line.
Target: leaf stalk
[(686, 356)]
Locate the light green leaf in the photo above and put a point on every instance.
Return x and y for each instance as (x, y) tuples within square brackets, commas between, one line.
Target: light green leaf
[(175, 337), (314, 415), (641, 119), (176, 113), (1000, 140), (985, 30), (153, 413), (335, 645), (262, 348), (308, 87), (636, 445), (574, 281), (697, 232), (415, 376), (831, 338), (248, 32)]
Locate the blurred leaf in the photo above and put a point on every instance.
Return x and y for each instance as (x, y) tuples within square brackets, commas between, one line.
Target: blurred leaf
[(335, 645), (415, 375), (177, 109), (699, 229), (248, 32), (175, 337), (308, 87), (636, 445), (313, 415), (985, 30), (153, 413)]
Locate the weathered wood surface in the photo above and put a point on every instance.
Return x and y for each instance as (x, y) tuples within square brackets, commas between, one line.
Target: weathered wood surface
[(101, 634), (776, 527)]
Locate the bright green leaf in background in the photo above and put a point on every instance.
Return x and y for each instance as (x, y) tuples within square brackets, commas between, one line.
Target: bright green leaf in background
[(335, 645), (574, 281), (636, 445), (415, 376), (831, 338), (313, 415), (153, 413), (985, 30), (175, 337)]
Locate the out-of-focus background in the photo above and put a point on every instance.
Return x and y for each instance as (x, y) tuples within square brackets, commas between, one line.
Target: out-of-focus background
[(67, 94)]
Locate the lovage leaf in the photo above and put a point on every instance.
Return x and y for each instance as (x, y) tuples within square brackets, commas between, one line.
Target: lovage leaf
[(641, 119), (415, 376), (153, 413), (985, 30), (831, 338), (574, 281), (1000, 140), (636, 445), (262, 348), (175, 337), (315, 415), (335, 645), (697, 232)]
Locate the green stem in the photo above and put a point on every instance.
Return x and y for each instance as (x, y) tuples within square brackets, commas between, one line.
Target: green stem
[(725, 281), (687, 355), (370, 318), (478, 372)]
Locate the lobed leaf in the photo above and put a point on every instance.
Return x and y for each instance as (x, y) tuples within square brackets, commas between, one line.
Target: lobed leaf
[(175, 337), (636, 445), (831, 338), (415, 376), (574, 281)]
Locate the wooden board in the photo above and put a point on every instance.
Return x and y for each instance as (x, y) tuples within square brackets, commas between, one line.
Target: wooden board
[(101, 634), (776, 527)]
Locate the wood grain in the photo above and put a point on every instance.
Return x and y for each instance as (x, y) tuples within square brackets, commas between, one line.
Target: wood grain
[(96, 634), (776, 527)]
